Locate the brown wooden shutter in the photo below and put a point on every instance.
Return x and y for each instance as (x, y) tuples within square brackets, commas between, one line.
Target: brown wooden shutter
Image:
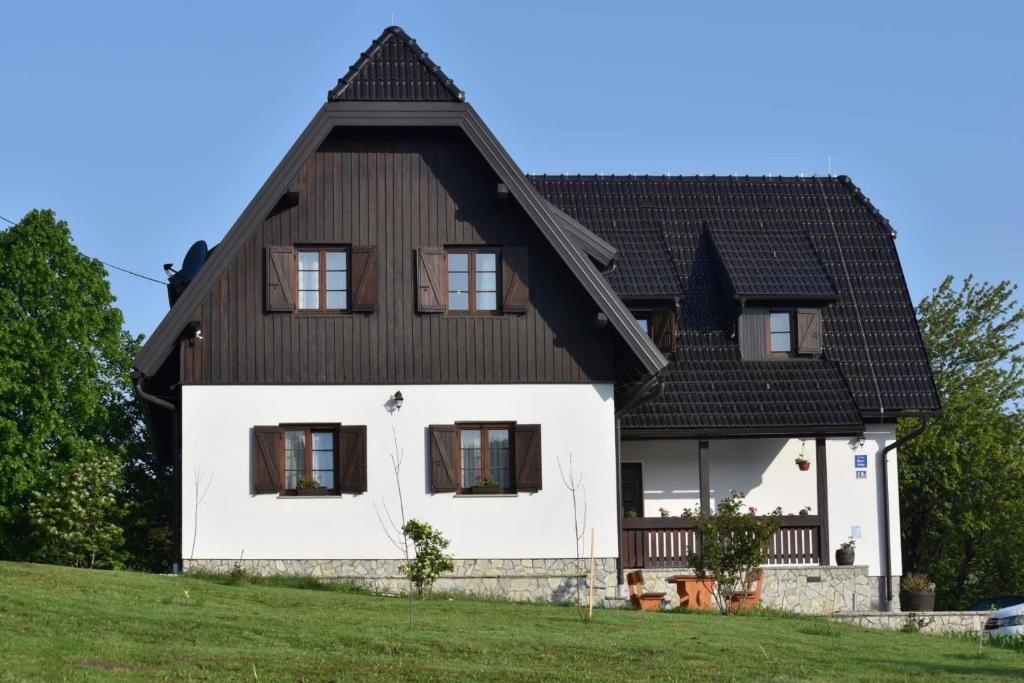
[(663, 330), (515, 280), (528, 459), (279, 279), (431, 280), (808, 326), (352, 458), (365, 278), (444, 457), (266, 460)]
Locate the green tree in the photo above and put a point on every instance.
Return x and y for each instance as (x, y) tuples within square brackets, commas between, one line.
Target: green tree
[(962, 480), (65, 384)]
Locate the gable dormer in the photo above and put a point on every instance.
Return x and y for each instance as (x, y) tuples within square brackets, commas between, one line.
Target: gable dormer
[(780, 288)]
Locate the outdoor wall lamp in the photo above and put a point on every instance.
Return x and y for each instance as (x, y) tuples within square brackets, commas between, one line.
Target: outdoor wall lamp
[(398, 399)]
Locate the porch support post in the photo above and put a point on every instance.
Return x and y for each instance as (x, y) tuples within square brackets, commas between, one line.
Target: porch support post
[(704, 465), (822, 470)]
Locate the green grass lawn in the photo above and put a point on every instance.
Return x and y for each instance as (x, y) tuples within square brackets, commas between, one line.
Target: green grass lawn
[(58, 623)]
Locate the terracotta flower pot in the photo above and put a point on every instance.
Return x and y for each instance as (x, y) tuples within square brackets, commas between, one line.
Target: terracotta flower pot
[(804, 465), (913, 601), (844, 557), (318, 491)]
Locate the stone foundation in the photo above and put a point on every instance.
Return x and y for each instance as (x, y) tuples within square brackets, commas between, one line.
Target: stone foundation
[(807, 589), (530, 580), (926, 622)]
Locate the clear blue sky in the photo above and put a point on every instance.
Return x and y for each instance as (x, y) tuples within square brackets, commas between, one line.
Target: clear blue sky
[(148, 126)]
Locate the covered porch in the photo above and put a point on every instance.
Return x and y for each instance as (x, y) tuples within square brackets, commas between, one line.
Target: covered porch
[(666, 483)]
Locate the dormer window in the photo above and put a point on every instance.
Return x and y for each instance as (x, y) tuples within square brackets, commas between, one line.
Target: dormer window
[(643, 321), (658, 321)]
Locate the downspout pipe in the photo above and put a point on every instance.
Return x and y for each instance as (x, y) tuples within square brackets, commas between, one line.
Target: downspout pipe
[(145, 395), (890, 603)]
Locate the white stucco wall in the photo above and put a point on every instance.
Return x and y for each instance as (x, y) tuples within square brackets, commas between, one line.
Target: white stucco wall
[(216, 449), (857, 502), (766, 471)]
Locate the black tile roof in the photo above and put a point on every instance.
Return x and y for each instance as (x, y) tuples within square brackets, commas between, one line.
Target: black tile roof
[(873, 355), (771, 263), (394, 68)]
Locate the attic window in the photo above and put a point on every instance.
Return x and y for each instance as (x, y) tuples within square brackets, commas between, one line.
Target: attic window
[(323, 279), (781, 329)]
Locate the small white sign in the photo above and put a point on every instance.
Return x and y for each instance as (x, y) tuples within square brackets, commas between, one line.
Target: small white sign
[(862, 474)]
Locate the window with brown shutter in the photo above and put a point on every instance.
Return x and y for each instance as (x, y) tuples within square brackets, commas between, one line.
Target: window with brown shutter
[(312, 459), (485, 457), (322, 279)]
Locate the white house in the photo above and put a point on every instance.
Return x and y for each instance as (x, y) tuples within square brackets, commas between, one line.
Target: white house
[(399, 292)]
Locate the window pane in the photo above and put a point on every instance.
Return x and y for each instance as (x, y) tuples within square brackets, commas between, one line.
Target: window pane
[(486, 262), (458, 262), (486, 301), (337, 260), (309, 300), (336, 279), (780, 322), (309, 279), (458, 301), (498, 450), (642, 324), (325, 477), (294, 458), (486, 282), (323, 441), (337, 300), (309, 260), (458, 282), (781, 342), (470, 457)]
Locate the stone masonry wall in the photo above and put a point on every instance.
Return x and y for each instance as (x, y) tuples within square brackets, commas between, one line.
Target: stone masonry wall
[(803, 589), (926, 622), (532, 580)]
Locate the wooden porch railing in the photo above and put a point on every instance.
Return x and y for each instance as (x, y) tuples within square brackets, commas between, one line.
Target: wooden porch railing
[(664, 542)]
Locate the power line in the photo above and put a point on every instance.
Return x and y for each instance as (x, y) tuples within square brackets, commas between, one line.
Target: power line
[(108, 265)]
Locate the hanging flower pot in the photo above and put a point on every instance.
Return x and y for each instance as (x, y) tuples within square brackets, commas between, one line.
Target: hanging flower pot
[(803, 463)]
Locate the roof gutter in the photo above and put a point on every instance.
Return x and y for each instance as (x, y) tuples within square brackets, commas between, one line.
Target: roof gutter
[(889, 602)]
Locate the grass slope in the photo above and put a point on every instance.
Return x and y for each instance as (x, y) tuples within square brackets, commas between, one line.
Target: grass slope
[(71, 624)]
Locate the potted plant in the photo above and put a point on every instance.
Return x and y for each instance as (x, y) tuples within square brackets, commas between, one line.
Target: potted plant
[(486, 485), (845, 553), (803, 463), (805, 510), (310, 487), (917, 593)]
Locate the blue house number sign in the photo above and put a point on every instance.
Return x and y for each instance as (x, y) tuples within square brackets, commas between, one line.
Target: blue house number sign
[(860, 462)]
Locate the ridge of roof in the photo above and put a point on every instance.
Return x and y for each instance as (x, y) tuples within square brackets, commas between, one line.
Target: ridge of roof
[(385, 79)]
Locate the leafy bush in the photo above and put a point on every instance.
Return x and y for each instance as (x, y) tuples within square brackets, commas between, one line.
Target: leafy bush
[(734, 545), (73, 515), (431, 561)]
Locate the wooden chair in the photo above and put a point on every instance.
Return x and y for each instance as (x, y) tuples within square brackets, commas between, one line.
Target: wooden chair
[(641, 599), (750, 596)]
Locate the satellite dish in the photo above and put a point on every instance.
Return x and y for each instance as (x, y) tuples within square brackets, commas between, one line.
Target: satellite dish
[(194, 260)]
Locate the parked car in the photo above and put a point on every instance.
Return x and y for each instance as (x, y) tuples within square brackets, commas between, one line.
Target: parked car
[(998, 602), (1007, 622)]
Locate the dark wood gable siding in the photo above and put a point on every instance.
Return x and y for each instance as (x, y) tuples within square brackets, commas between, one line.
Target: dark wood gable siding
[(398, 189)]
